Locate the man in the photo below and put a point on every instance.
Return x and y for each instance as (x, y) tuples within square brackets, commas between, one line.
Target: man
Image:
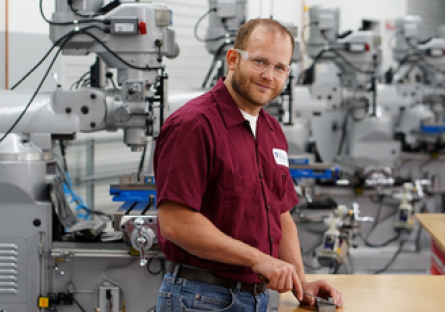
[(224, 189)]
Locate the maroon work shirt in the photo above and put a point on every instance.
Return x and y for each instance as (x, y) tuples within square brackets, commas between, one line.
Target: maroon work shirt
[(207, 158)]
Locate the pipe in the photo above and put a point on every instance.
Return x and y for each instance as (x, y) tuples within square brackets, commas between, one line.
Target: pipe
[(6, 46)]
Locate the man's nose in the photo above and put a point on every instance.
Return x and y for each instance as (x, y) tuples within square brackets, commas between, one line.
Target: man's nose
[(267, 73)]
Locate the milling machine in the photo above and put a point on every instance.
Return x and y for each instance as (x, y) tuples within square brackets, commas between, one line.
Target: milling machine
[(51, 260), (419, 122), (334, 120)]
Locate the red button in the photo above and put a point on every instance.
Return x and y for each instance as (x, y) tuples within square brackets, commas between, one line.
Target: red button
[(142, 28)]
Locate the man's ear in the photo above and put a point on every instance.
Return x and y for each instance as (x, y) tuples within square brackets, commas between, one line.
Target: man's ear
[(231, 58)]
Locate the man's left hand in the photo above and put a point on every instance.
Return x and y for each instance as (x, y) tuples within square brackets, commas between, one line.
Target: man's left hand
[(323, 289)]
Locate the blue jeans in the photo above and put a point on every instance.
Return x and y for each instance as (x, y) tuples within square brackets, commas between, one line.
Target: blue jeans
[(182, 295)]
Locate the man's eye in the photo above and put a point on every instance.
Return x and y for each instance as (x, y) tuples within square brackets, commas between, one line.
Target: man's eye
[(280, 68), (258, 62)]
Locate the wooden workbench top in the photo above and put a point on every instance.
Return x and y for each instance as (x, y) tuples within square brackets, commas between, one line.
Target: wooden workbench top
[(434, 224), (382, 293)]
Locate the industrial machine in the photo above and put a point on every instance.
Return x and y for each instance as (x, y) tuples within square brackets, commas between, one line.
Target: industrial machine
[(335, 116), (420, 119), (344, 131), (51, 260), (338, 239)]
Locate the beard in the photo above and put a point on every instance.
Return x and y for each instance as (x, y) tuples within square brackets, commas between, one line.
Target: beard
[(246, 88)]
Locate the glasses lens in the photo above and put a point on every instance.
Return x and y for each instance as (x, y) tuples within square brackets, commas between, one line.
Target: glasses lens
[(262, 64)]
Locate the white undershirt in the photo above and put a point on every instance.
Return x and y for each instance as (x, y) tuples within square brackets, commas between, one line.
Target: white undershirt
[(252, 121)]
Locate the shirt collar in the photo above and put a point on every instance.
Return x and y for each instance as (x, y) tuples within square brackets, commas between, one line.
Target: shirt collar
[(229, 110)]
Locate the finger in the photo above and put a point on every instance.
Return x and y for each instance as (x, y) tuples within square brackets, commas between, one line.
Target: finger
[(340, 301), (289, 282), (297, 286), (335, 294), (280, 283), (273, 282), (310, 300)]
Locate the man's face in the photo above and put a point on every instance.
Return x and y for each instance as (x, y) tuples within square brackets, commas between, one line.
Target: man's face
[(254, 86)]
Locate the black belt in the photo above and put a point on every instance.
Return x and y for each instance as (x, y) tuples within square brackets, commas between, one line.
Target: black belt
[(198, 275)]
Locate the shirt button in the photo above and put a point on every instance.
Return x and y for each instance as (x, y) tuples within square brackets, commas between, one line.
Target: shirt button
[(271, 240), (268, 207), (261, 175), (283, 176)]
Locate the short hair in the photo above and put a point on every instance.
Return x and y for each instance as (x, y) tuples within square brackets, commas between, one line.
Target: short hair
[(247, 28)]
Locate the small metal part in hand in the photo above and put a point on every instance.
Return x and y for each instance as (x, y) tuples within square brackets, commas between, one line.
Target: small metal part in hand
[(325, 308), (319, 300), (323, 305)]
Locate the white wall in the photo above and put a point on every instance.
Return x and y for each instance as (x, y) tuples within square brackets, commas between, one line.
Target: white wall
[(24, 16), (2, 17), (287, 11)]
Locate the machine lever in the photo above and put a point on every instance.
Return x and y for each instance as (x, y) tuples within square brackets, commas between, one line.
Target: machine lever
[(141, 240)]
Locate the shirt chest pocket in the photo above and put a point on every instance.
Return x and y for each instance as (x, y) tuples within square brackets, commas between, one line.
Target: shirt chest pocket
[(281, 175), (240, 196)]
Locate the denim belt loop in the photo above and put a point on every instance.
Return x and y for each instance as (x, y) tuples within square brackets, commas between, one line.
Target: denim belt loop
[(255, 289), (237, 288), (175, 272)]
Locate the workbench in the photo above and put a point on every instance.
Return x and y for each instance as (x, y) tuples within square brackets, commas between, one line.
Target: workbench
[(383, 293), (434, 224)]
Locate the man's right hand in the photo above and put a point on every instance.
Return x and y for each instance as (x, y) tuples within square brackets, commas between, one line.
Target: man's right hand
[(281, 275)]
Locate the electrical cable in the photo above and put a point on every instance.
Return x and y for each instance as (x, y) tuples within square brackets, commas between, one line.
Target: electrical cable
[(302, 75), (215, 58), (401, 63), (86, 82), (141, 162), (377, 217), (75, 22), (391, 261), (161, 268), (70, 4), (116, 55), (37, 90), (344, 132), (49, 52), (351, 263), (115, 267), (68, 190), (358, 70), (109, 76), (76, 83), (389, 241), (336, 268), (78, 304), (210, 39), (422, 57)]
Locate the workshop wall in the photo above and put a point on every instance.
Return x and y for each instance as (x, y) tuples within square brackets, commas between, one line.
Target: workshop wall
[(28, 42)]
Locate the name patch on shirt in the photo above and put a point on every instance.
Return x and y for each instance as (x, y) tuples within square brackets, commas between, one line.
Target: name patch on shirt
[(280, 157)]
